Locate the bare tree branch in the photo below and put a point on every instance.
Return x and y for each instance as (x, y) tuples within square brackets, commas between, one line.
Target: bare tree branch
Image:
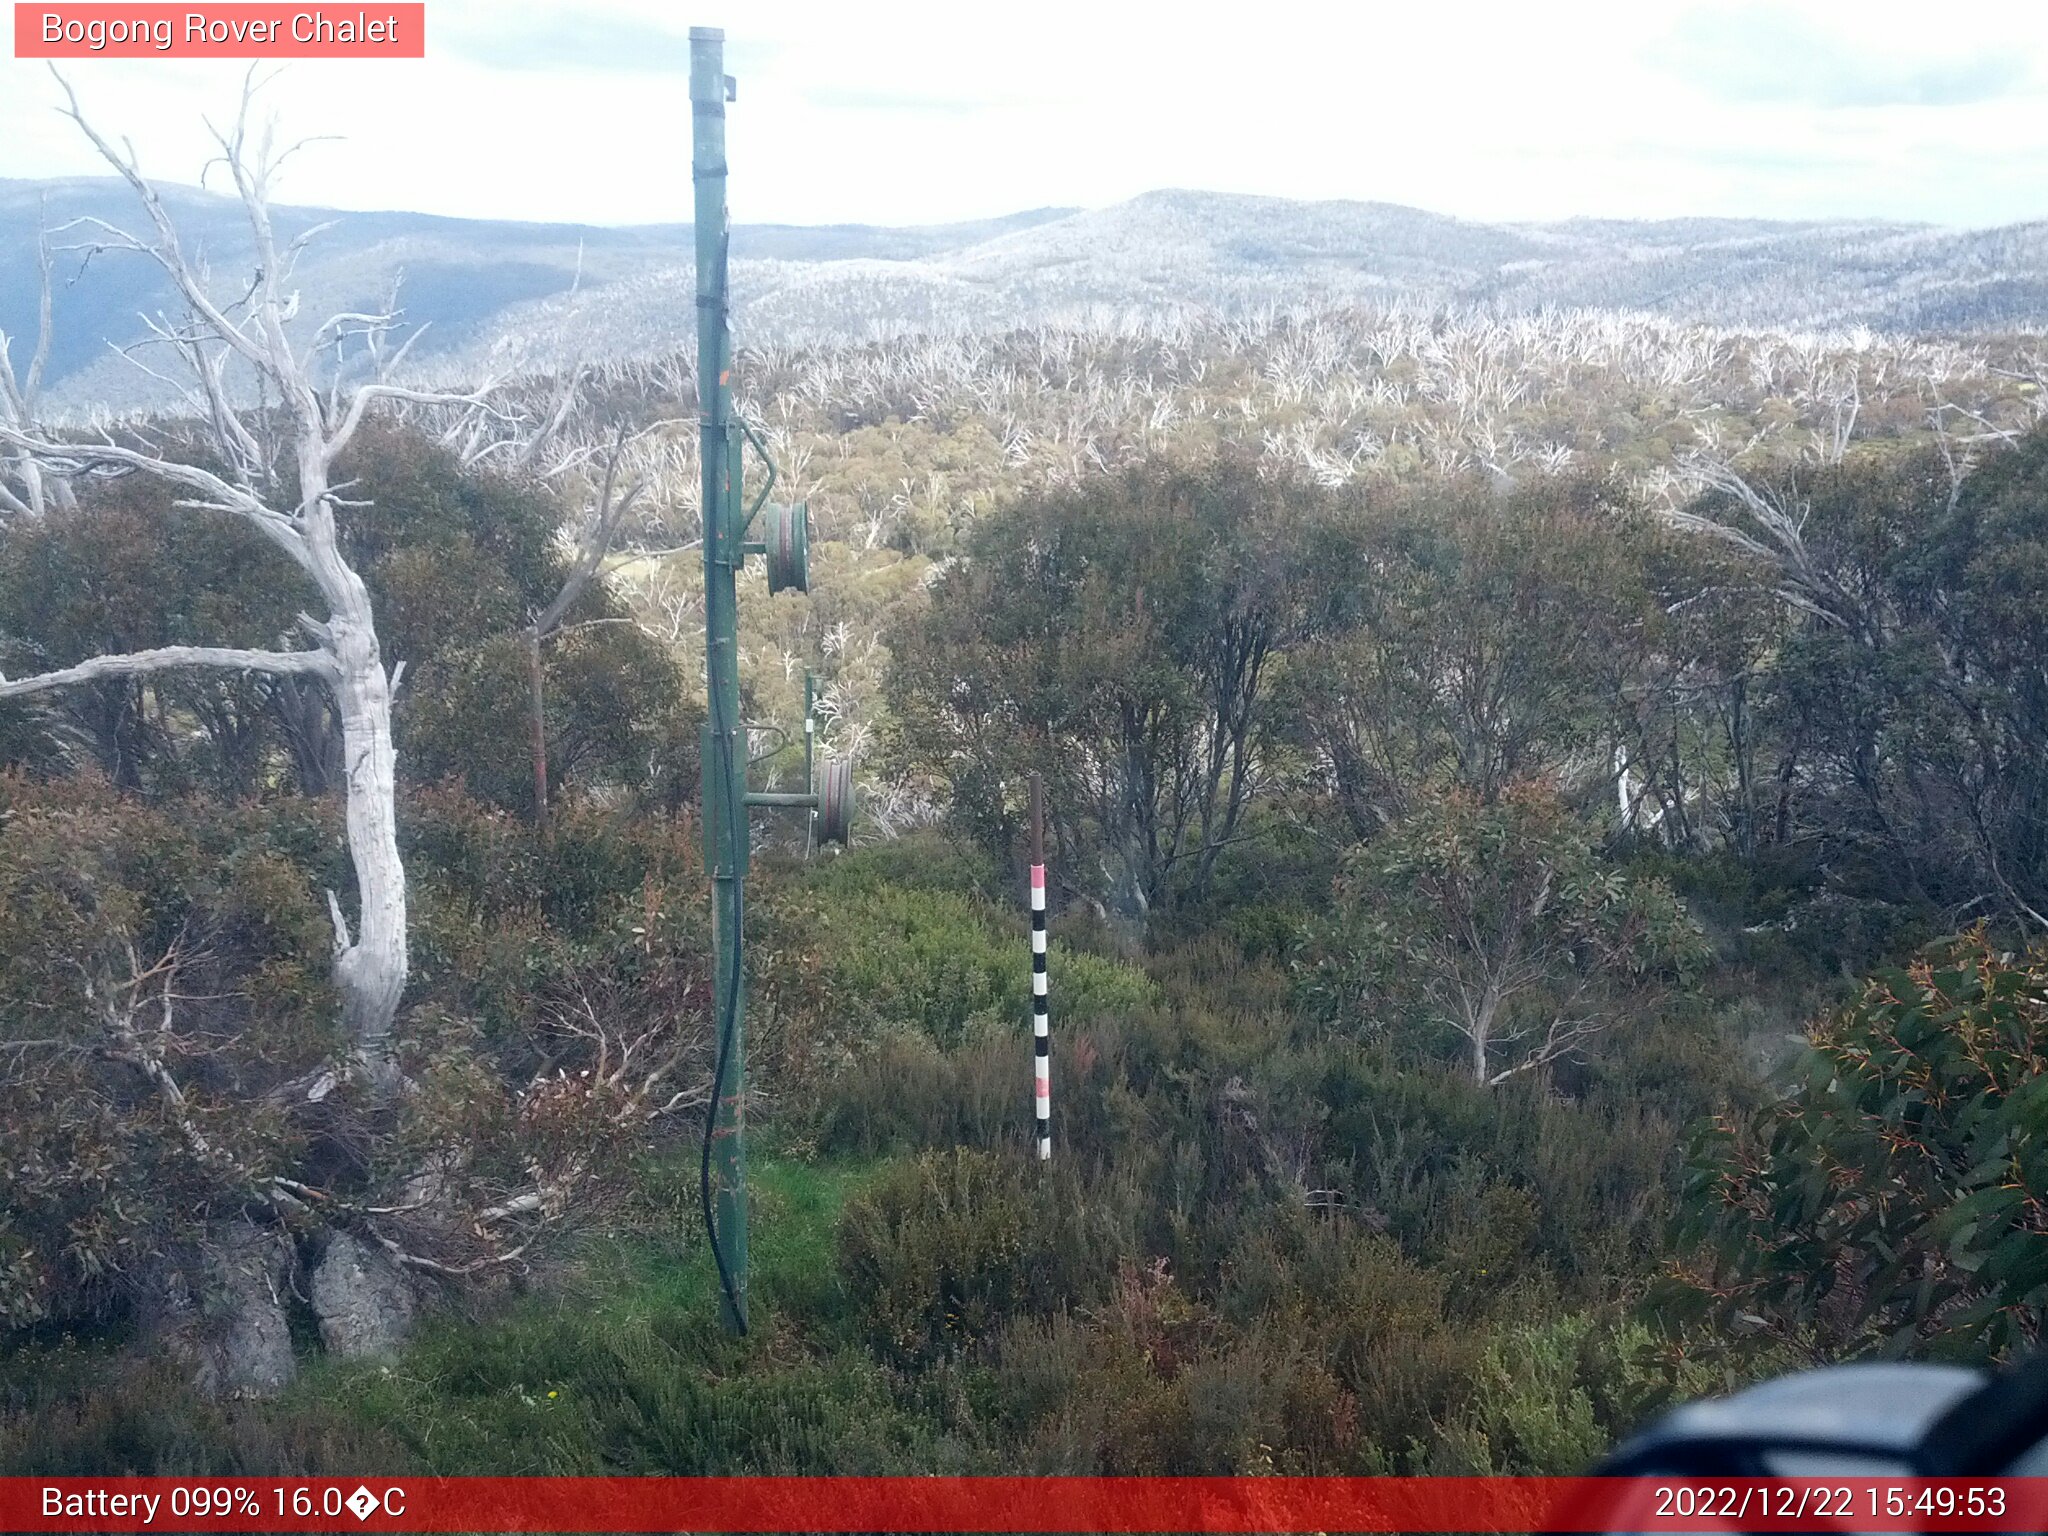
[(170, 658), (167, 252), (1780, 541), (368, 394), (76, 460), (612, 507)]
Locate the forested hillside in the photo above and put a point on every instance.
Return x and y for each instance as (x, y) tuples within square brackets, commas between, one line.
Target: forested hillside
[(501, 298), (1482, 755)]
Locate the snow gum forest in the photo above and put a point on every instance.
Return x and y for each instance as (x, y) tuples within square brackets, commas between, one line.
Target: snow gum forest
[(1545, 743)]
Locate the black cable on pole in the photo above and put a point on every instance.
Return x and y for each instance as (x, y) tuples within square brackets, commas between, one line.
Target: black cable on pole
[(728, 1017), (721, 730)]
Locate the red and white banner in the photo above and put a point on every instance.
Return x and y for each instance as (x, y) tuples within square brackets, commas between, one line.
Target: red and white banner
[(1020, 1504), (235, 31)]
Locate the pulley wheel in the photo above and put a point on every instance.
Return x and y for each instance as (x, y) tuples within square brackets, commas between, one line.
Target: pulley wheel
[(835, 800), (789, 548)]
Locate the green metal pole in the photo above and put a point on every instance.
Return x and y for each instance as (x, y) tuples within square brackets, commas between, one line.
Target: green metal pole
[(810, 729), (724, 751)]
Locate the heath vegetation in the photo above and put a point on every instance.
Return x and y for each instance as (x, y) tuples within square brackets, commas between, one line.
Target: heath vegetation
[(1549, 841)]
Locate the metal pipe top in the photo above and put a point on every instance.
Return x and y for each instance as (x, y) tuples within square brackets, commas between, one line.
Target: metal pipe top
[(1037, 819), (710, 87)]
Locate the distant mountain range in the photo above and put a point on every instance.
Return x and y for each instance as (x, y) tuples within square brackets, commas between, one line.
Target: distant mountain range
[(503, 296)]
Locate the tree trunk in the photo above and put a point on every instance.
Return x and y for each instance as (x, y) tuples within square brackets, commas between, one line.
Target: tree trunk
[(370, 972), (540, 729), (1479, 1030), (1781, 822), (1745, 777), (303, 708)]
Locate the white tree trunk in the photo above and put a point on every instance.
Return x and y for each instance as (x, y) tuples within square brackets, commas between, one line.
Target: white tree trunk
[(370, 972), (1479, 1032)]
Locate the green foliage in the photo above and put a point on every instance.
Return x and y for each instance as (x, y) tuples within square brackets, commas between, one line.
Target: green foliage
[(1489, 636), (523, 935), (1913, 702), (1255, 1251), (1875, 748), (1546, 1392), (621, 1366), (919, 861), (163, 976), (1532, 1414), (949, 1247), (863, 956), (1119, 636), (614, 710), (160, 969), (126, 572), (1894, 1201), (456, 563), (1493, 920), (1279, 1234)]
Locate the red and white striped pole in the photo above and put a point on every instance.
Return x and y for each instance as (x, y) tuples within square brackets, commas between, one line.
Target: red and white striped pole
[(1041, 1023)]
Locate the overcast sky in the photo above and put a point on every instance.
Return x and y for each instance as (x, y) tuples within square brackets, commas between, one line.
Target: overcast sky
[(884, 112)]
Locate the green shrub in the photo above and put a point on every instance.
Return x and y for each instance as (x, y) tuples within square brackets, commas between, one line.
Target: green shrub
[(945, 1249), (1421, 1148), (918, 861), (1550, 1397), (861, 959), (161, 968), (1894, 1201), (903, 1091)]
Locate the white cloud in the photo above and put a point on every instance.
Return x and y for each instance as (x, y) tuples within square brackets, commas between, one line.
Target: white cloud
[(1800, 54), (909, 112)]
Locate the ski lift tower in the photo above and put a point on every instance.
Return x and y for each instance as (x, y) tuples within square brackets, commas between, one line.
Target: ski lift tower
[(784, 543)]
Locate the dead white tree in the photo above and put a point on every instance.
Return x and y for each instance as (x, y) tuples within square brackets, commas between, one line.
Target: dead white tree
[(594, 540), (1771, 528), (23, 487), (221, 347)]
